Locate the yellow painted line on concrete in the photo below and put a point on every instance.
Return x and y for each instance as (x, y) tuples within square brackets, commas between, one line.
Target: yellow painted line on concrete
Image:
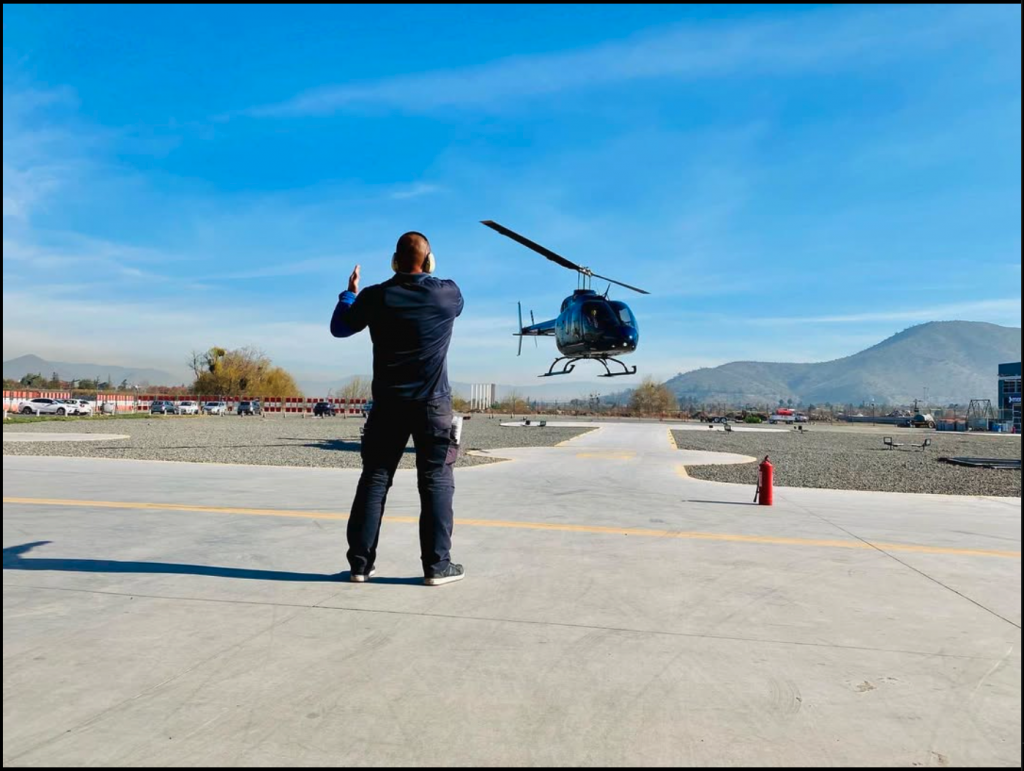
[(672, 440), (608, 455), (589, 431), (62, 503), (539, 526), (681, 471)]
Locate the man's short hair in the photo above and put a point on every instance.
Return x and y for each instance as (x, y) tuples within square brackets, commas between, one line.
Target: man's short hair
[(412, 249)]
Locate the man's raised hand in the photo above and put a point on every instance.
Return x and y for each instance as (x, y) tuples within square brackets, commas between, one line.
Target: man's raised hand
[(353, 281)]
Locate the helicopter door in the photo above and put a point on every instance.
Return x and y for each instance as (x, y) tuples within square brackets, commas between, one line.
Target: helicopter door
[(577, 323), (597, 321)]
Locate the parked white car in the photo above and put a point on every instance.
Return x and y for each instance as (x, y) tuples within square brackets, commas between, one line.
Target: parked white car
[(46, 407), (81, 407), (215, 408), (187, 408)]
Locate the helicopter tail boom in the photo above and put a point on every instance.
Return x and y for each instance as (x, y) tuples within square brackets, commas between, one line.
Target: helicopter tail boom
[(543, 329)]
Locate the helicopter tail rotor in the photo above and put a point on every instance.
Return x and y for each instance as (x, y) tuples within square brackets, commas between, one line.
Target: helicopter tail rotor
[(520, 335)]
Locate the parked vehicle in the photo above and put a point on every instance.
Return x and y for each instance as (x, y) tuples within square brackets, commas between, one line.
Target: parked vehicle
[(46, 407), (324, 410), (161, 408), (188, 408), (81, 407), (367, 408), (215, 408), (782, 416), (249, 408), (923, 420)]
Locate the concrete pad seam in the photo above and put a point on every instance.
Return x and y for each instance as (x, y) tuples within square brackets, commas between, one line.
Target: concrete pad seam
[(523, 622), (907, 565)]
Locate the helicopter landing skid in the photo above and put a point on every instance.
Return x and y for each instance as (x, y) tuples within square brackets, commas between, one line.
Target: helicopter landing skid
[(625, 370), (570, 365)]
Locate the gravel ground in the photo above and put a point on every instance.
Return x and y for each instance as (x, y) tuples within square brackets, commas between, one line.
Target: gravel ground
[(856, 460), (273, 441)]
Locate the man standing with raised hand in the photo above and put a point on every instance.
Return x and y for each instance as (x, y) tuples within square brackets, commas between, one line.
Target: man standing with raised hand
[(410, 318)]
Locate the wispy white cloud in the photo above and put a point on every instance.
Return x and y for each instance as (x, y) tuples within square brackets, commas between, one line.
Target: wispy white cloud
[(124, 331), (816, 40), (88, 259), (415, 191), (336, 268), (25, 189), (1004, 310)]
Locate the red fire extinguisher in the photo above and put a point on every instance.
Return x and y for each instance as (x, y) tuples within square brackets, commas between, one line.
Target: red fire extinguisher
[(765, 484)]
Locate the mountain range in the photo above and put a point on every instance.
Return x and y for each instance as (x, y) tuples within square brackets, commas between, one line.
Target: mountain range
[(941, 362), (16, 369)]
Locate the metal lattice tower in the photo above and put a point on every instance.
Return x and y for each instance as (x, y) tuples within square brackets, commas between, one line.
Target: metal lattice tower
[(980, 414)]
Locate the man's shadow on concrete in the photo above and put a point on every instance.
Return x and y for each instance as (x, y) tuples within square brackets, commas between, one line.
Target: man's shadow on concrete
[(13, 560)]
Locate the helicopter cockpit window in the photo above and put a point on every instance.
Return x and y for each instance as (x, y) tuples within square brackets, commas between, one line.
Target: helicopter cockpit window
[(625, 314), (598, 316)]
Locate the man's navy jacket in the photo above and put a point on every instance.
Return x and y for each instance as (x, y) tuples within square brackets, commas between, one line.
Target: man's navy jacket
[(410, 317)]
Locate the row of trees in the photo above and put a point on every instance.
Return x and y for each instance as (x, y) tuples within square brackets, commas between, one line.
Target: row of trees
[(650, 398), (38, 382), (249, 372)]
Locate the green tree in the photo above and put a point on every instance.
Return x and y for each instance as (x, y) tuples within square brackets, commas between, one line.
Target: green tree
[(33, 381)]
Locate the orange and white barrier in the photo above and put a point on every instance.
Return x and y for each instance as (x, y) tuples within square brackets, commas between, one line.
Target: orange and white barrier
[(128, 402), (14, 399)]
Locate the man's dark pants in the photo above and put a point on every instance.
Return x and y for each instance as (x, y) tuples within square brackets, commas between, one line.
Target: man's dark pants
[(388, 428)]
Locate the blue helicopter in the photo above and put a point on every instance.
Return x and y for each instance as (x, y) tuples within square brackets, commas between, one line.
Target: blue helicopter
[(590, 327)]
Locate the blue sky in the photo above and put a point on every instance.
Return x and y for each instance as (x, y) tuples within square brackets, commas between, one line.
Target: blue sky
[(792, 183)]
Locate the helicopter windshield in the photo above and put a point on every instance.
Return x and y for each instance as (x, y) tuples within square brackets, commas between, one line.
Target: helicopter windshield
[(625, 315)]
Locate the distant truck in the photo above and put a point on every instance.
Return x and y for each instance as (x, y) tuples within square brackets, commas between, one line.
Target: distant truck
[(787, 416)]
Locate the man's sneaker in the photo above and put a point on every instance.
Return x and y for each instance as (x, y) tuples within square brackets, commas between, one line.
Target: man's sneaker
[(362, 578), (449, 575)]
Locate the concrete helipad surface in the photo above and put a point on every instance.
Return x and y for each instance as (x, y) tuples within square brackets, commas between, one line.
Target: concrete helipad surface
[(27, 438), (703, 427), (616, 612)]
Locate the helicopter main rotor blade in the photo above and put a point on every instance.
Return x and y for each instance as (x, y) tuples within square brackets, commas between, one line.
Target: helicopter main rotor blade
[(619, 283), (556, 258)]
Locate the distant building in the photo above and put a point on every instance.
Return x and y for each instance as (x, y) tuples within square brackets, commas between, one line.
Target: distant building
[(1009, 394), (483, 396)]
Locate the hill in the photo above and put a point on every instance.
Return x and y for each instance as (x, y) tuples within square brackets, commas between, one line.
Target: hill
[(18, 368), (952, 362)]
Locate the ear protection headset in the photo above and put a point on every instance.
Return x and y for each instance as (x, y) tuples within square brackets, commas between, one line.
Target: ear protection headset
[(429, 264)]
